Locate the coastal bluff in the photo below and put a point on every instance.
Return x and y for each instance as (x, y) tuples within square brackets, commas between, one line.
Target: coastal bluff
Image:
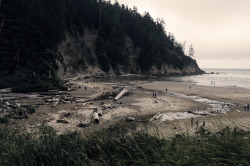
[(72, 52), (62, 40)]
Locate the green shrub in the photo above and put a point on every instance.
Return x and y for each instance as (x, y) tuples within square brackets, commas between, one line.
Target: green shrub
[(37, 85), (31, 109), (4, 120)]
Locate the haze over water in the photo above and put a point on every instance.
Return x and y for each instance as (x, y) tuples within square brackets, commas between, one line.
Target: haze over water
[(221, 77)]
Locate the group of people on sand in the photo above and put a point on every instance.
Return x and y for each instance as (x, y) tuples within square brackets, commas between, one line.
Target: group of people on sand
[(246, 107), (212, 83), (197, 122), (154, 94)]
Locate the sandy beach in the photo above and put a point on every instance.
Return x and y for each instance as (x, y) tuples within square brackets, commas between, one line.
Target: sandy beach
[(228, 94), (174, 111)]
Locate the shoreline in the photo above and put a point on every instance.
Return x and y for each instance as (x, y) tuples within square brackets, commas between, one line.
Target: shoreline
[(140, 103), (235, 95)]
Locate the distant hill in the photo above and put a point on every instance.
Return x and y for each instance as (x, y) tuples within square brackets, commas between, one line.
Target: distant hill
[(44, 40)]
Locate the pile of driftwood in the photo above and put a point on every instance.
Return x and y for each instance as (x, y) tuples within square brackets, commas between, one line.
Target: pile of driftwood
[(56, 100), (107, 106), (7, 95), (15, 110), (62, 98), (95, 118)]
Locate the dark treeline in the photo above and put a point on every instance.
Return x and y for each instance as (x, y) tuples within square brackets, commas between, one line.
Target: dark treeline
[(30, 31), (155, 46)]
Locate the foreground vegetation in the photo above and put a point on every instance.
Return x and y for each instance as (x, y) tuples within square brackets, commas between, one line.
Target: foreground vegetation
[(110, 147)]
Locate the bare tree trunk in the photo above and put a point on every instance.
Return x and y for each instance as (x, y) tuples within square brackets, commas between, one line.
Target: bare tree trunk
[(2, 23), (100, 16), (17, 57)]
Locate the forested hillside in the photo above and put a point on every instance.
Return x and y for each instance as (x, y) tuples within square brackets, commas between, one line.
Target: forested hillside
[(32, 30)]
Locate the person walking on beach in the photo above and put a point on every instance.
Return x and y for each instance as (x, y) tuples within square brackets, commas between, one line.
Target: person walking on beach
[(248, 107), (211, 83), (214, 83), (192, 122), (204, 123), (197, 123)]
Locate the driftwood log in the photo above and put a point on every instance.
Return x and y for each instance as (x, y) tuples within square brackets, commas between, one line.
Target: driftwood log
[(62, 121), (84, 124), (130, 119), (99, 112), (121, 94), (155, 117), (57, 102), (95, 117), (201, 114)]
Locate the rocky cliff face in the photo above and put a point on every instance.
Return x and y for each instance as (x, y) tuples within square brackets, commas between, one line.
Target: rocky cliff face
[(78, 57), (192, 69)]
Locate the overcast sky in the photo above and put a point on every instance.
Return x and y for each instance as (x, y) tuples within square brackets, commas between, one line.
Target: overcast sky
[(218, 29)]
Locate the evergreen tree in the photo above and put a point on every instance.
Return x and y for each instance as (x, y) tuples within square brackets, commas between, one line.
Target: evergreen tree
[(191, 51)]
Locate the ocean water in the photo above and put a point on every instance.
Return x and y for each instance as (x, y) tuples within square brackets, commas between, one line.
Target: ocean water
[(221, 77)]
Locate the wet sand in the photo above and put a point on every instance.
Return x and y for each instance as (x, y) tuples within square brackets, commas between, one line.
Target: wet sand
[(140, 103), (228, 94)]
